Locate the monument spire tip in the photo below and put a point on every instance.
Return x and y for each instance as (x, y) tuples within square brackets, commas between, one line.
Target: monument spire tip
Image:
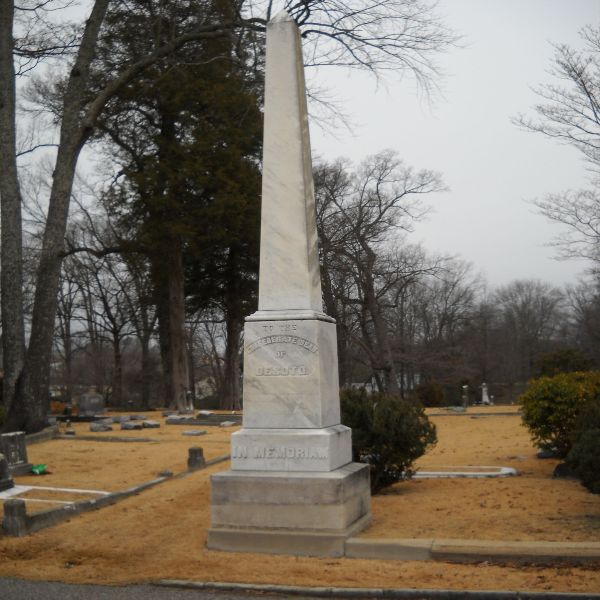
[(281, 17)]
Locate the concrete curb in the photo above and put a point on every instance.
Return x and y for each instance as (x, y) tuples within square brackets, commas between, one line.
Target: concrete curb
[(109, 438), (336, 592), (472, 551), (42, 436), (18, 523)]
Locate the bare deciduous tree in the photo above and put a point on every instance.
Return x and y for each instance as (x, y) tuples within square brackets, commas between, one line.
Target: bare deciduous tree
[(377, 35), (569, 111), (357, 215)]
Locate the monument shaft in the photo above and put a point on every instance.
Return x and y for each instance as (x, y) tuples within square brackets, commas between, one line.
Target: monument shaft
[(292, 487), (289, 261)]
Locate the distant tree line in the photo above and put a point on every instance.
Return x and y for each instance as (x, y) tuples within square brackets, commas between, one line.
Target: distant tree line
[(409, 322)]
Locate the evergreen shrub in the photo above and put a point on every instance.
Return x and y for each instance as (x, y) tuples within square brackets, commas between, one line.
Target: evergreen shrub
[(552, 407), (388, 433), (431, 393), (584, 459), (567, 360)]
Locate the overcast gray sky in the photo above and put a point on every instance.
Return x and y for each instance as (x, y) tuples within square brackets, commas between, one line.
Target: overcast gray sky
[(490, 166)]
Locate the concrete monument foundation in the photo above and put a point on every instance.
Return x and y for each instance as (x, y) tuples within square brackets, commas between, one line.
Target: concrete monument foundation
[(290, 513)]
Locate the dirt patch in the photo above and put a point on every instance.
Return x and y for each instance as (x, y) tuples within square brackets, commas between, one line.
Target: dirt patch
[(161, 533), (112, 466)]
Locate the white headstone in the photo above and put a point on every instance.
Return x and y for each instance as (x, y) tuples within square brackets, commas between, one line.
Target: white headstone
[(485, 399)]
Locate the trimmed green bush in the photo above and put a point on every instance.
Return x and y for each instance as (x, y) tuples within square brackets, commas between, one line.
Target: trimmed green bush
[(388, 433), (552, 407), (584, 459)]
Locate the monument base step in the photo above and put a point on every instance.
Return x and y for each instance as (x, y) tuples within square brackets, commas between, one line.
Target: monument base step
[(281, 541), (301, 513)]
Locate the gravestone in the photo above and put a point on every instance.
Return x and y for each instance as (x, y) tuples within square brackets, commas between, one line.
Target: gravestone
[(14, 448), (6, 481), (292, 487), (131, 425), (196, 458), (100, 427), (91, 403), (465, 396), (485, 399)]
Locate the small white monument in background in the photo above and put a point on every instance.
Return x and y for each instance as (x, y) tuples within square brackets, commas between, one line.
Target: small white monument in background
[(485, 399), (292, 487)]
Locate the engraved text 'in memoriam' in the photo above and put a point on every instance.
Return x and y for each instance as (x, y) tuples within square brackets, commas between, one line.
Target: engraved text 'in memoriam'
[(278, 452), (282, 339)]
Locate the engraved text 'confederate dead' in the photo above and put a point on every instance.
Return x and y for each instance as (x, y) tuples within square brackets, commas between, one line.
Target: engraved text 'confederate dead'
[(282, 339)]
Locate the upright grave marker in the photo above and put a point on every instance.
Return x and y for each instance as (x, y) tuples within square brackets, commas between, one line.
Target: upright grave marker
[(6, 481), (14, 447), (292, 487)]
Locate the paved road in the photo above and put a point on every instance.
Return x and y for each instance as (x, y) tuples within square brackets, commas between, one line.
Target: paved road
[(17, 589)]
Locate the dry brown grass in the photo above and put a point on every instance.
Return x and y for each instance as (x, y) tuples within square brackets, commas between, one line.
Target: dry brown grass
[(161, 533)]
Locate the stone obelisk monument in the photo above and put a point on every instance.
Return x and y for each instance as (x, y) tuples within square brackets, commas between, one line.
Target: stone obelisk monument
[(292, 487)]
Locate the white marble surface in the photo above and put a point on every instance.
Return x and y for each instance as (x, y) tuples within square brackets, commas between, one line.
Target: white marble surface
[(289, 265), (290, 375), (323, 449), (292, 487)]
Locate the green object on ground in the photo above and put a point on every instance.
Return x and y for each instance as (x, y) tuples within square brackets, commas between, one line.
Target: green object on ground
[(39, 469)]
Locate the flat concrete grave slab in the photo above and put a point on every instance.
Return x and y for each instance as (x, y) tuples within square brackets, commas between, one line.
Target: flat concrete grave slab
[(18, 490), (466, 472)]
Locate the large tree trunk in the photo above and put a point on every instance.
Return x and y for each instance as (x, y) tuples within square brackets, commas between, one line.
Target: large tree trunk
[(13, 337), (230, 400), (234, 321), (170, 296), (191, 367), (29, 408), (117, 378), (145, 348), (68, 348), (383, 349), (331, 309), (29, 411)]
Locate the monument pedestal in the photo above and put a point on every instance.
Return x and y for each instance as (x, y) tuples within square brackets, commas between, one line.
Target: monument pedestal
[(292, 488), (291, 449), (296, 513)]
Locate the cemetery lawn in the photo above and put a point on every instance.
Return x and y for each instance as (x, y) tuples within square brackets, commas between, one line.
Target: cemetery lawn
[(161, 533)]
